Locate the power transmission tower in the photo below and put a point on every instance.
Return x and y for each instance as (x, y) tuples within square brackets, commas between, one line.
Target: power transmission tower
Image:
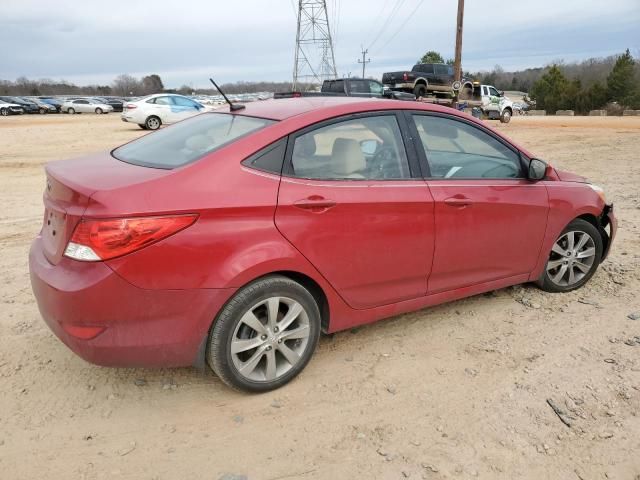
[(314, 60), (364, 60)]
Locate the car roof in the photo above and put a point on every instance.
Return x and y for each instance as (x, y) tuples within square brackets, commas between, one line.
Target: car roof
[(329, 106)]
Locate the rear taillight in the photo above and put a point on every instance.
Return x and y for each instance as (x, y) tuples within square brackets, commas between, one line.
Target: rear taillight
[(130, 106), (94, 240), (405, 76)]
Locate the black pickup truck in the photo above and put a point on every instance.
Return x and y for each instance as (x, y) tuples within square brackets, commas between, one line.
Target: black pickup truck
[(422, 79), (350, 87)]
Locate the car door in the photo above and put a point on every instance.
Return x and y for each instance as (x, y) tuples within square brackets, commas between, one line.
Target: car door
[(489, 219), (352, 202), (81, 106), (161, 107)]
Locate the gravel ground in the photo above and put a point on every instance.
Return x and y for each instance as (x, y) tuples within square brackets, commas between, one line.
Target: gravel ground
[(456, 391)]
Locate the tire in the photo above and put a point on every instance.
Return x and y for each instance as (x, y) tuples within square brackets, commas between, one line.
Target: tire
[(562, 256), (420, 90), (142, 126), (153, 123), (42, 111), (71, 110), (264, 345), (505, 117), (4, 112), (99, 111)]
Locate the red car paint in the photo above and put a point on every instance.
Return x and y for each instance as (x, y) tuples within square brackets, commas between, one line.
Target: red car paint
[(374, 248)]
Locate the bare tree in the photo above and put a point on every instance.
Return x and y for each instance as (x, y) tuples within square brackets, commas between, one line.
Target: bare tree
[(125, 85)]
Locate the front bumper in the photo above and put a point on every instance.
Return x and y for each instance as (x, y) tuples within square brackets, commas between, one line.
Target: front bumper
[(107, 321), (608, 219)]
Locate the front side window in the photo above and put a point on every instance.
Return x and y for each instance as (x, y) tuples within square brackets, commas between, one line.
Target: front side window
[(494, 92), (184, 102), (441, 69), (375, 87), (359, 86), (188, 140), (359, 149), (456, 149)]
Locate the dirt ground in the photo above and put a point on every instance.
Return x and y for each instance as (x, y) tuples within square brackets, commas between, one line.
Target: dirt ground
[(456, 391)]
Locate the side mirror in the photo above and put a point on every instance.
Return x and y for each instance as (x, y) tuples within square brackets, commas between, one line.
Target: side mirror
[(501, 93), (537, 169), (369, 147)]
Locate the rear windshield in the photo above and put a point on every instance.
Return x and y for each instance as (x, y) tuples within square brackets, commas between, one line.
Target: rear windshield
[(188, 140)]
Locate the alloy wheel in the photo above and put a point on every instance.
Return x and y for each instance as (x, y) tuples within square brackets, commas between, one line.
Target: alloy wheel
[(270, 339), (572, 257)]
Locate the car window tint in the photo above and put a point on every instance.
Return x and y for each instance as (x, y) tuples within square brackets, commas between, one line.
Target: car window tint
[(337, 87), (359, 86), (456, 149), (494, 92), (441, 69), (184, 102), (269, 159), (188, 140), (364, 148), (163, 101)]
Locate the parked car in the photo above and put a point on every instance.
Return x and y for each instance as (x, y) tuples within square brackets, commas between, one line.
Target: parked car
[(28, 107), (422, 79), (160, 109), (350, 87), (57, 103), (233, 239), (10, 108), (43, 107), (114, 102), (86, 105)]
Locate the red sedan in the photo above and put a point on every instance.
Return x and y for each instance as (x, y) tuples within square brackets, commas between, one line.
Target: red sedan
[(234, 238)]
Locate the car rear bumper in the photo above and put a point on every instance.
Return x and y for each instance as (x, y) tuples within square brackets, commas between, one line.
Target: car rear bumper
[(107, 321)]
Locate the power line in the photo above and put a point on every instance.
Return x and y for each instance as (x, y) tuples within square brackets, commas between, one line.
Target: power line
[(394, 11), (409, 17)]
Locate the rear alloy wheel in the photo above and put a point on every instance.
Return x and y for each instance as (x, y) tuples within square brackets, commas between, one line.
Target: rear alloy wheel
[(4, 112), (153, 123), (71, 111), (265, 335), (99, 111), (574, 258)]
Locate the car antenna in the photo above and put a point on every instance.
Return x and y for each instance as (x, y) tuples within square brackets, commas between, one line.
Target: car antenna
[(232, 106)]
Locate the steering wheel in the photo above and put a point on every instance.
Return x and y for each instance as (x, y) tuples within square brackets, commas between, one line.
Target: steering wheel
[(382, 163)]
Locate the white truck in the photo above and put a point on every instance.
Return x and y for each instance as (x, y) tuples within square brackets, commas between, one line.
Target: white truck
[(493, 103)]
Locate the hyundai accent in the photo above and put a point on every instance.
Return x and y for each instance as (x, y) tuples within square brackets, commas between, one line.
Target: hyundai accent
[(233, 239)]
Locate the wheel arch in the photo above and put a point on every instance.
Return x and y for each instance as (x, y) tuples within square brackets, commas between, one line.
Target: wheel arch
[(420, 81), (597, 223)]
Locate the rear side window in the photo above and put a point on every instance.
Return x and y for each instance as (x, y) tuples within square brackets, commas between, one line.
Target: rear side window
[(269, 159), (424, 68), (188, 140), (443, 69)]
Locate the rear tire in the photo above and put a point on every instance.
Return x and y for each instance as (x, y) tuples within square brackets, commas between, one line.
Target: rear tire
[(42, 110), (265, 335), (574, 258), (420, 90), (99, 111), (71, 111), (153, 123)]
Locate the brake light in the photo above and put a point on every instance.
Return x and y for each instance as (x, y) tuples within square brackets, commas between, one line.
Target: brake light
[(130, 106), (95, 240), (405, 76)]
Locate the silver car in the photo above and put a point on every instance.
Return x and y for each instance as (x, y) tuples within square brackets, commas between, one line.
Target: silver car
[(85, 105)]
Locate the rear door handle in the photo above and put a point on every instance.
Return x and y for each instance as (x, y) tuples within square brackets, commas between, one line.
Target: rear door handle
[(315, 203), (458, 201)]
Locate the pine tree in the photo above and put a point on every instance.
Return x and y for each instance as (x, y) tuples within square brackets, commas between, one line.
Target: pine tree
[(621, 86)]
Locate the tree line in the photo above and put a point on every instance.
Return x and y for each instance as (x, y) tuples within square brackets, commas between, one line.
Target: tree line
[(612, 82)]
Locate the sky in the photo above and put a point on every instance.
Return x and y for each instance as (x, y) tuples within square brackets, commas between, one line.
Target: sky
[(186, 42)]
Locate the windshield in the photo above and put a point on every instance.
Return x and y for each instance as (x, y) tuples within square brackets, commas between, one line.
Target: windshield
[(188, 140)]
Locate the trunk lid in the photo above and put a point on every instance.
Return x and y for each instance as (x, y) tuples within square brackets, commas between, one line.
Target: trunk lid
[(70, 185)]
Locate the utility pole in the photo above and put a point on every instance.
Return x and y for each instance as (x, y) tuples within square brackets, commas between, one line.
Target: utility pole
[(458, 57), (364, 60), (314, 60)]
